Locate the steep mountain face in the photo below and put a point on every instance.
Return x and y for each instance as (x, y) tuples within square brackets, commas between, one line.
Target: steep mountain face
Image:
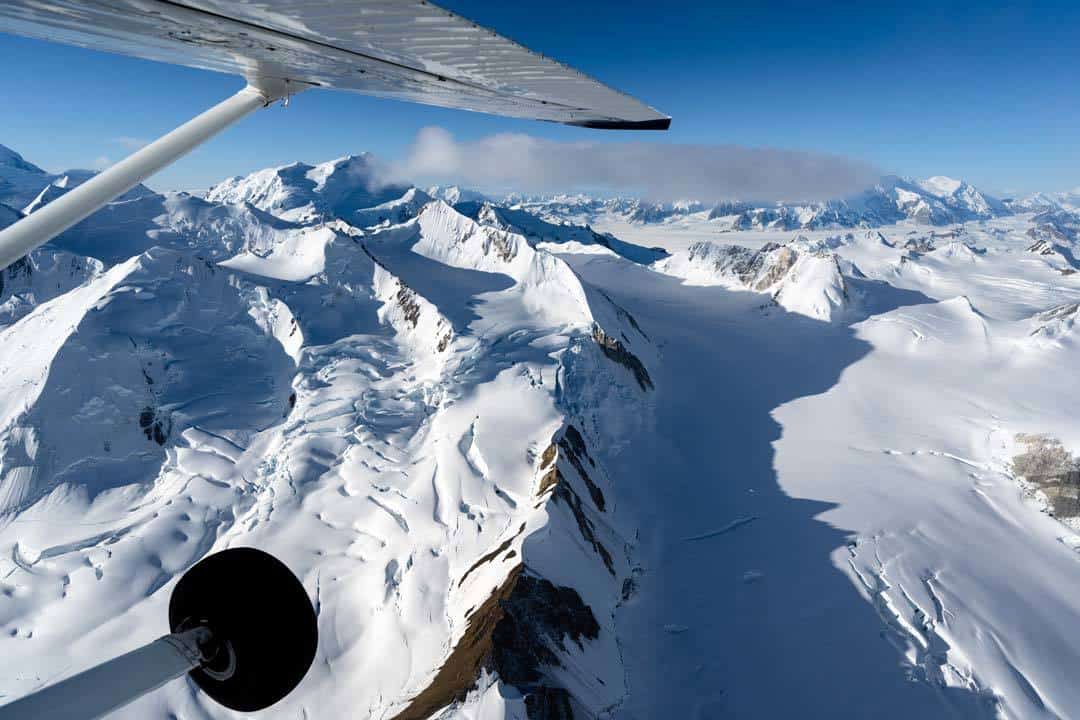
[(800, 277), (526, 469), (8, 215), (20, 180), (567, 235), (39, 277)]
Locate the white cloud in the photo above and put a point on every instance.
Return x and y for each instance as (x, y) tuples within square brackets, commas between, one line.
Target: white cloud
[(101, 162), (659, 171)]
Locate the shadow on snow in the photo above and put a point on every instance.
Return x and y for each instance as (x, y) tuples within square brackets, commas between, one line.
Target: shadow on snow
[(741, 611)]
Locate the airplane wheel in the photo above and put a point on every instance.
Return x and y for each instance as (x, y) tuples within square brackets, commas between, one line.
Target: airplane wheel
[(264, 628)]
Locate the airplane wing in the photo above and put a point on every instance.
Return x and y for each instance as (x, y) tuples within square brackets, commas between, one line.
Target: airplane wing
[(403, 49)]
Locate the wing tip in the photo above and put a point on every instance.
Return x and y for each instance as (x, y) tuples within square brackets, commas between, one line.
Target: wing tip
[(662, 123)]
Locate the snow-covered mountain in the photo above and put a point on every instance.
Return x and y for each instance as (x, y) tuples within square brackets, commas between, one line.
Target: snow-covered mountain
[(301, 192), (526, 468), (25, 187), (1042, 201), (801, 277), (453, 194), (936, 201), (383, 409), (564, 235)]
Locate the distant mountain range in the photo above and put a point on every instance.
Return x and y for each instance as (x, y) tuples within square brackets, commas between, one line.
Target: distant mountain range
[(301, 193), (935, 201)]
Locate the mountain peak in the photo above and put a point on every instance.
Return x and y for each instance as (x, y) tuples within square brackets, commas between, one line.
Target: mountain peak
[(300, 192), (11, 159), (941, 185)]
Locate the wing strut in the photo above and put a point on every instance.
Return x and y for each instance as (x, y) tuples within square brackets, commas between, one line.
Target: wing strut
[(107, 687), (243, 629), (46, 223)]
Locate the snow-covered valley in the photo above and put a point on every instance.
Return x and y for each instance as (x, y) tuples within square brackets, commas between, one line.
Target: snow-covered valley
[(553, 458)]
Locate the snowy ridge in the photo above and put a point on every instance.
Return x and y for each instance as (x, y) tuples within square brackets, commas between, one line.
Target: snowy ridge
[(800, 278), (1055, 326), (547, 286), (392, 212), (413, 316), (563, 236), (308, 193), (39, 277)]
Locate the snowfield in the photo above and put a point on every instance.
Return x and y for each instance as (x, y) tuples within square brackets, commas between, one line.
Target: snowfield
[(554, 458)]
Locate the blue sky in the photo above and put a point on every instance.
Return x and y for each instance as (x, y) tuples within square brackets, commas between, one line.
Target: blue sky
[(973, 90)]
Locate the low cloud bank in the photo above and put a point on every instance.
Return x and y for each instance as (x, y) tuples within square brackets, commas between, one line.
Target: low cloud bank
[(657, 171)]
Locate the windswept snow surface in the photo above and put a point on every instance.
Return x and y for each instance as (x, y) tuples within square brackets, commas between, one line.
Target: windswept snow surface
[(527, 469), (794, 460)]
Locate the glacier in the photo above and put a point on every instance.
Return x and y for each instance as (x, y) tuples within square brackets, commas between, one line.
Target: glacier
[(559, 457)]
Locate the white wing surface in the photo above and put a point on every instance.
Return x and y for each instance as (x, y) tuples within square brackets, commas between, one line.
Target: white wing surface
[(403, 49)]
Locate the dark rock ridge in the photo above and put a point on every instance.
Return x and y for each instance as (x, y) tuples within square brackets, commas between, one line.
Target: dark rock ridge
[(514, 633), (524, 625), (538, 616), (614, 350), (155, 425), (1049, 467)]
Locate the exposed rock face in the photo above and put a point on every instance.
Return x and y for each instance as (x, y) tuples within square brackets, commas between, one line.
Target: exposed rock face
[(803, 276), (155, 426), (1041, 247), (754, 269), (472, 654), (1053, 471), (528, 622), (923, 244), (1055, 323), (564, 493), (1055, 245), (573, 445), (768, 266), (406, 298), (538, 616), (614, 350), (1065, 494)]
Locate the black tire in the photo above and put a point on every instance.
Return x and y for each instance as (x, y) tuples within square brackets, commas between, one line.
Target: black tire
[(253, 604)]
